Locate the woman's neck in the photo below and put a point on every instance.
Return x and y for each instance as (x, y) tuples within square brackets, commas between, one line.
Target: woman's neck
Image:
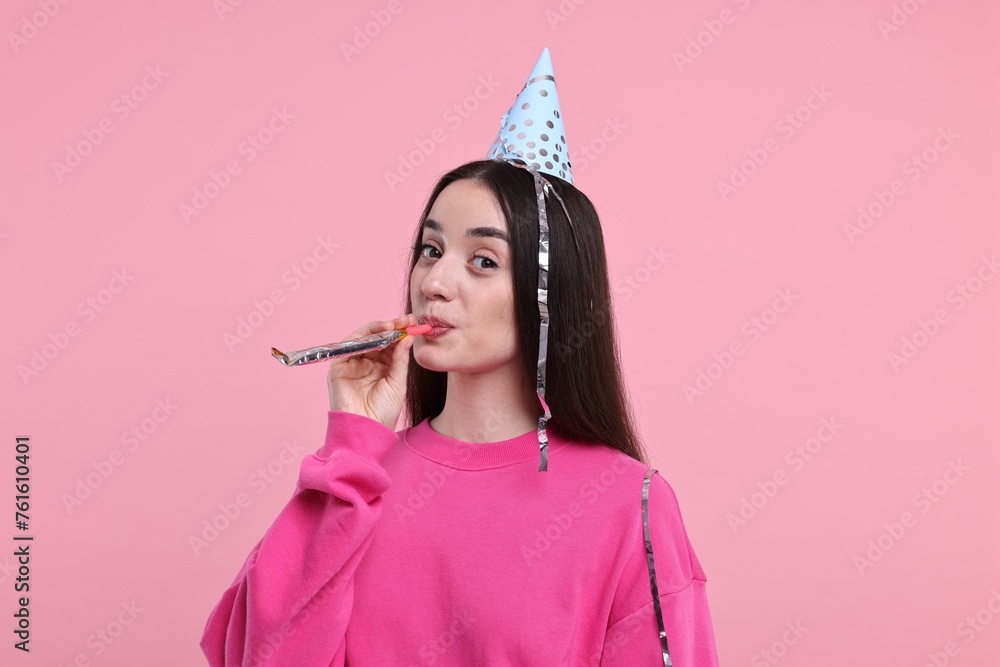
[(488, 407)]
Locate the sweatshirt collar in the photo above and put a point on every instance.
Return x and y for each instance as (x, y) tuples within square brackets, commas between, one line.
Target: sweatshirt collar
[(463, 455)]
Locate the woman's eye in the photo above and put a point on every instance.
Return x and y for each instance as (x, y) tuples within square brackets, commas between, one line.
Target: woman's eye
[(490, 264)]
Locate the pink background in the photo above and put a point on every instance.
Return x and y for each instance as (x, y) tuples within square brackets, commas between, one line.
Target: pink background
[(661, 133)]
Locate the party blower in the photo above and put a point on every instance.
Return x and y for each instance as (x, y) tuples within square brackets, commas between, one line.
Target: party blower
[(348, 347)]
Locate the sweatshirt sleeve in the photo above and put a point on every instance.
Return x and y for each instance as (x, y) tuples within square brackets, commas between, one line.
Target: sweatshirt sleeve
[(633, 635), (292, 599)]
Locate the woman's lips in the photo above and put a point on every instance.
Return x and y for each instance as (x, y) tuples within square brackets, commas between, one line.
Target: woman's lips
[(436, 332), (435, 321), (440, 327)]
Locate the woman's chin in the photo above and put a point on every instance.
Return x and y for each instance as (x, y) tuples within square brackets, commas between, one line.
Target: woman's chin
[(436, 360), (428, 360), (432, 358)]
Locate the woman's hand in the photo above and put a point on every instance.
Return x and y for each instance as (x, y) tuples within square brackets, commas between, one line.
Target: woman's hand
[(373, 384)]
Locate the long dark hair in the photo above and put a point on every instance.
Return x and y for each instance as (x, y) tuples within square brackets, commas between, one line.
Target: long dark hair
[(584, 387)]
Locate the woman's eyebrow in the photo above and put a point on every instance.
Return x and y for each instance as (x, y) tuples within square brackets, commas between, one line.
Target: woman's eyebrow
[(474, 232)]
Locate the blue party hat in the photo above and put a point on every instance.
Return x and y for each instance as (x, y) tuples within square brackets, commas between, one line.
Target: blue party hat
[(532, 129)]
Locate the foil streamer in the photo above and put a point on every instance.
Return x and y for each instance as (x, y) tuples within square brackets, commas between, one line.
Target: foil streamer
[(542, 186), (343, 349), (652, 570), (543, 315), (531, 136)]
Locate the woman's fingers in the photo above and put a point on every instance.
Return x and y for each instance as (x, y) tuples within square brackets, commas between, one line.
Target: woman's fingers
[(379, 326), (400, 322)]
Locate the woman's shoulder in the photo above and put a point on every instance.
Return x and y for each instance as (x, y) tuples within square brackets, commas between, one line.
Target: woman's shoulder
[(613, 467), (646, 512), (638, 499)]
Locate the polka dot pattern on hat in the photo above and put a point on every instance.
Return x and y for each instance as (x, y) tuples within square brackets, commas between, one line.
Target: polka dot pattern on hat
[(532, 129)]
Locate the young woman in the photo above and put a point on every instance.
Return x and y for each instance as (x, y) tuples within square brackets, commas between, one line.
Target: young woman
[(442, 543)]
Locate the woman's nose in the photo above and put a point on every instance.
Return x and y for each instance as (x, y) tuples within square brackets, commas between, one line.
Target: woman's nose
[(439, 279)]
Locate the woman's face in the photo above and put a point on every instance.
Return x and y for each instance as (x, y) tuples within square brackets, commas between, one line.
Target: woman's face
[(463, 277)]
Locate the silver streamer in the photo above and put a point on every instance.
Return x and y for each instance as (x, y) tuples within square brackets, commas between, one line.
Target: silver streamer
[(542, 187), (652, 570)]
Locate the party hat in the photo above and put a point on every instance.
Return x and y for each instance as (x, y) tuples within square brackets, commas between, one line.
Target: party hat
[(532, 137), (532, 129)]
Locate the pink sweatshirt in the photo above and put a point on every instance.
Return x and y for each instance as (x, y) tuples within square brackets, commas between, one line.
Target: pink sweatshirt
[(413, 548)]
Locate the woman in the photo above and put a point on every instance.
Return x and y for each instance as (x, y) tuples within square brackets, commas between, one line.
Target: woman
[(441, 543)]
